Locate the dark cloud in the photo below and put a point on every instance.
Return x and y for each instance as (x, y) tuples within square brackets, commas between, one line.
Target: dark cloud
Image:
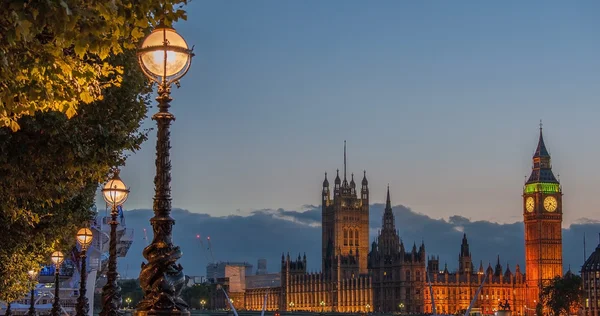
[(267, 233)]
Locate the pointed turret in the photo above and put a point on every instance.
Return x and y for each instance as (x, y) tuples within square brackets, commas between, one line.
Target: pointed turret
[(325, 182), (542, 167), (489, 269), (364, 191), (388, 214), (464, 247), (498, 270), (345, 183), (337, 177), (507, 273), (480, 267), (541, 150), (465, 266), (446, 268)]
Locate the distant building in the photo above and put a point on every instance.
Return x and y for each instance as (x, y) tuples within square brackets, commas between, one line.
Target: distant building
[(219, 270), (590, 273), (391, 278), (454, 291), (398, 274), (262, 266)]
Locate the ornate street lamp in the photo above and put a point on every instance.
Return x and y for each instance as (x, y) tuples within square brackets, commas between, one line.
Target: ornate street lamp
[(164, 57), (57, 258), (368, 307), (84, 239), (32, 276), (115, 193), (322, 306), (202, 302), (291, 306), (128, 301)]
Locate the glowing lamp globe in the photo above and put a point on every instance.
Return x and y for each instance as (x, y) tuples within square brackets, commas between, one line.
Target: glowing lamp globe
[(84, 237), (115, 192), (57, 257), (164, 55)]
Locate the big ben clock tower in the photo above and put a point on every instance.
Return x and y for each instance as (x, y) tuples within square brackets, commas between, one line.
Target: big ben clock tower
[(542, 214)]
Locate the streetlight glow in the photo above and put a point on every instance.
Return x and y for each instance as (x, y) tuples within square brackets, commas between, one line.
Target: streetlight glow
[(164, 55)]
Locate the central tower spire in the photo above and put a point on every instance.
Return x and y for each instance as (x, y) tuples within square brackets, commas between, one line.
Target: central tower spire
[(344, 160)]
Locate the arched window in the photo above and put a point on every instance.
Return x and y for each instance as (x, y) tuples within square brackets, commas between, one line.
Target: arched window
[(345, 237), (356, 238), (408, 275), (351, 237)]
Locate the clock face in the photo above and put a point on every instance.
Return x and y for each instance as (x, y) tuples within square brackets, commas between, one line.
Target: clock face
[(550, 204), (529, 204)]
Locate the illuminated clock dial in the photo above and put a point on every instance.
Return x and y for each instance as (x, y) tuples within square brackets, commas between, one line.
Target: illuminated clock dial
[(550, 204), (529, 204)]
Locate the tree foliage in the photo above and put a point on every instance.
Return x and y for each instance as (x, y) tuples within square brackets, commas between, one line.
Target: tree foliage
[(51, 168), (563, 294), (54, 55), (131, 289), (194, 294)]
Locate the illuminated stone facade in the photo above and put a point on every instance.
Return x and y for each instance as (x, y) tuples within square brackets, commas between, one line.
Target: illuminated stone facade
[(398, 274), (542, 214), (390, 278), (453, 292)]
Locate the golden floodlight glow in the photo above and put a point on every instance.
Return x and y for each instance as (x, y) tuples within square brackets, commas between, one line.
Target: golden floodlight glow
[(84, 237), (57, 257), (115, 192), (164, 55)]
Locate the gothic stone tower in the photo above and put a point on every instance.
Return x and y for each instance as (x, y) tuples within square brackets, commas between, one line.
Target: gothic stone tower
[(345, 221), (542, 214)]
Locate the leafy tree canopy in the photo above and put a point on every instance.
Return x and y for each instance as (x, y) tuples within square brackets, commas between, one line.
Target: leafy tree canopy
[(51, 168), (563, 295), (54, 55)]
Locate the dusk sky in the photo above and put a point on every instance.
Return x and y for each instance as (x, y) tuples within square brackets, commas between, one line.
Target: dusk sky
[(440, 99)]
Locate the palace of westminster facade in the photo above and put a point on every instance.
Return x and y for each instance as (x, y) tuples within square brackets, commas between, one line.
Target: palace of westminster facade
[(387, 277)]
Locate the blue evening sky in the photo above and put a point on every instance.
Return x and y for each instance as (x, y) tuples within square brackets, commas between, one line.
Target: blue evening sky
[(440, 99)]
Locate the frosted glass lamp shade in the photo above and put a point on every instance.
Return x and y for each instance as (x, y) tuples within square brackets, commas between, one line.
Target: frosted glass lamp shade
[(115, 192), (164, 55), (57, 257), (84, 237)]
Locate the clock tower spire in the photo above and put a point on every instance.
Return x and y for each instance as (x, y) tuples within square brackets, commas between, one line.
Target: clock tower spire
[(542, 214)]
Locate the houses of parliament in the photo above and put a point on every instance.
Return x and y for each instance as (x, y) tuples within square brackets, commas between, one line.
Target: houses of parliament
[(389, 276)]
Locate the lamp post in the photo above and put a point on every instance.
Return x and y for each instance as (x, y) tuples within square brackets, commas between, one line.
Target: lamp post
[(202, 303), (292, 306), (401, 306), (32, 276), (322, 306), (115, 193), (84, 239), (57, 258), (128, 301), (368, 307), (164, 57)]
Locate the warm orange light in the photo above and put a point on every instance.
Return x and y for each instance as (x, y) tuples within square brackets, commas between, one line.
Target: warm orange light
[(84, 237), (164, 54), (115, 192), (57, 257)]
